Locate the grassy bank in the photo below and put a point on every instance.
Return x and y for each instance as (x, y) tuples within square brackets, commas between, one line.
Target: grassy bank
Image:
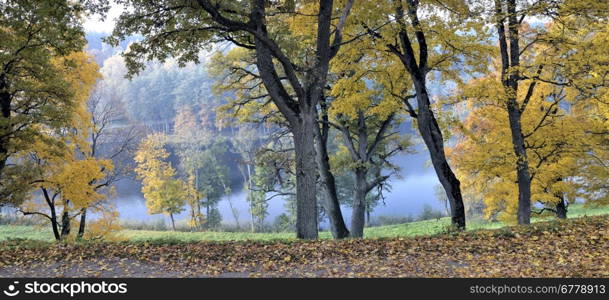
[(419, 228)]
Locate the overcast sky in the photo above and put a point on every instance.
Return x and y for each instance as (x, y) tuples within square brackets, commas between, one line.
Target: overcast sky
[(95, 24)]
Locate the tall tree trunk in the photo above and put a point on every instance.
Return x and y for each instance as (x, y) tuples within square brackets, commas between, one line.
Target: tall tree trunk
[(51, 204), (248, 181), (426, 121), (358, 214), (522, 164), (55, 226), (65, 224), (306, 198), (83, 223), (510, 58), (173, 223), (308, 89), (432, 136), (5, 109), (332, 205), (207, 210), (200, 219)]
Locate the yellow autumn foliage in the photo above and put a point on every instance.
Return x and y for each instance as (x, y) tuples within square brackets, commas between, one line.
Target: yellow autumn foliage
[(163, 193)]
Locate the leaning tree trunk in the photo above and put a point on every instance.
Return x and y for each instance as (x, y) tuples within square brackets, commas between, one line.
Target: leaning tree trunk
[(55, 226), (83, 223), (306, 179), (233, 210), (432, 136), (358, 214), (51, 204), (173, 223), (337, 223), (426, 122)]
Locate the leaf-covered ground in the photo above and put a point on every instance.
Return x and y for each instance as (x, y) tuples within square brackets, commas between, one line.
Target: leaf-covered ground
[(574, 248)]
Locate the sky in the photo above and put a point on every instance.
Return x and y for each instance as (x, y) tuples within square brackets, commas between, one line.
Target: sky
[(95, 24)]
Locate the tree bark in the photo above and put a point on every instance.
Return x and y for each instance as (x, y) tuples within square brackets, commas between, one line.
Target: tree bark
[(5, 109), (561, 208), (426, 121), (65, 224), (368, 216), (332, 205), (207, 211), (55, 226), (173, 223), (306, 179), (510, 58), (522, 166), (83, 222), (358, 214), (247, 181), (432, 136), (306, 175), (51, 204)]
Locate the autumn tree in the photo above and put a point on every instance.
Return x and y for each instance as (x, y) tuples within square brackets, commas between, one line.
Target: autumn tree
[(367, 126), (163, 192), (64, 170), (273, 177), (189, 138), (368, 145), (202, 156), (250, 103), (412, 44), (111, 136), (294, 85), (555, 119), (32, 91), (585, 34), (555, 138), (508, 21), (262, 182), (246, 144), (530, 55)]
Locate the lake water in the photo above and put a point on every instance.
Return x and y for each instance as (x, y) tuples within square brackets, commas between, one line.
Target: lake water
[(408, 196)]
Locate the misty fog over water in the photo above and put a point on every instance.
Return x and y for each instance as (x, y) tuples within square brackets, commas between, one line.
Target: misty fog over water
[(408, 195)]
